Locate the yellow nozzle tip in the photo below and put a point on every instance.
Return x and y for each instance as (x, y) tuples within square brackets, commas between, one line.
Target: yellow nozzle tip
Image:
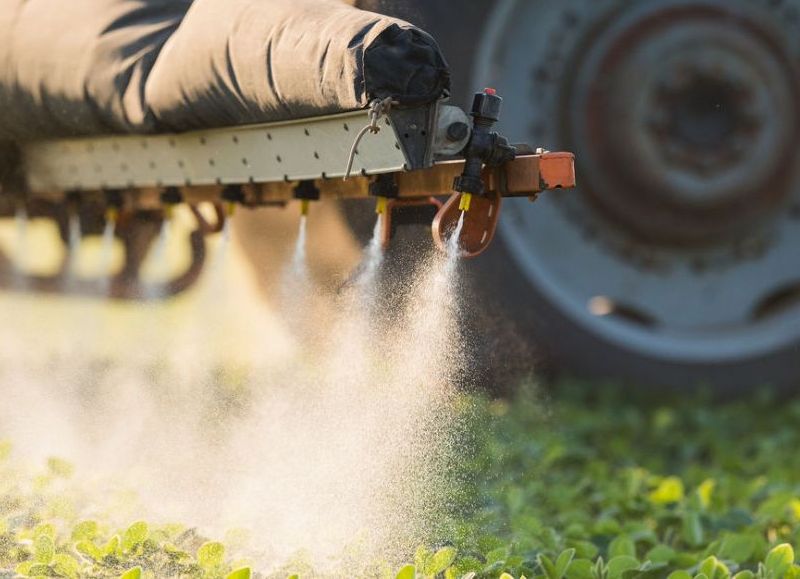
[(230, 209), (381, 205), (305, 204), (169, 211), (466, 202), (112, 214)]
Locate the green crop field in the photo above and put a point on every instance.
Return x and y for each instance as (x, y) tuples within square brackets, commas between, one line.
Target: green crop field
[(586, 482)]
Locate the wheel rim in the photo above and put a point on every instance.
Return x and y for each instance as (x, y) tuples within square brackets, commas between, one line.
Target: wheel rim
[(682, 241)]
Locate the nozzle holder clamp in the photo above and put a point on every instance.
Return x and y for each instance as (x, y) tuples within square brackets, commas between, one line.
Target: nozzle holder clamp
[(172, 196), (233, 194), (385, 185), (114, 198), (307, 191)]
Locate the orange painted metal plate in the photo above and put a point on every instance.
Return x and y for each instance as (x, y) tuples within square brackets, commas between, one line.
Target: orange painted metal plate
[(480, 223)]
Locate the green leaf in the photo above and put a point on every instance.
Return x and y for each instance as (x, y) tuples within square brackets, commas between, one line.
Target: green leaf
[(737, 547), (692, 529), (680, 574), (89, 549), (618, 565), (713, 568), (211, 555), (647, 570), (496, 555), (32, 569), (135, 573), (670, 490), (660, 554), (746, 574), (60, 468), (467, 565), (422, 558), (564, 561), (243, 573), (548, 567), (580, 569), (600, 569), (112, 547), (621, 546), (46, 530), (705, 491), (506, 576), (66, 566), (779, 560), (585, 549), (85, 531), (407, 572), (441, 560), (135, 535), (44, 549)]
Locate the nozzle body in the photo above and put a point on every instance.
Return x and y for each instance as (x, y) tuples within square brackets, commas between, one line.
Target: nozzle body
[(485, 147)]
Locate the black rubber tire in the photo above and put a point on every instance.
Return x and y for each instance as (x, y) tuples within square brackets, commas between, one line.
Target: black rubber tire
[(521, 330)]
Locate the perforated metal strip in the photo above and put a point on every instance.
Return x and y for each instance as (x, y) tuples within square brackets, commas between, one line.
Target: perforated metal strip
[(297, 150)]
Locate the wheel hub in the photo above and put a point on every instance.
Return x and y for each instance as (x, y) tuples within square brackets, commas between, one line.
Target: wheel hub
[(685, 119)]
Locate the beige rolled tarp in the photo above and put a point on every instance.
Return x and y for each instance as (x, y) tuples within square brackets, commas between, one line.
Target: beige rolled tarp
[(80, 67)]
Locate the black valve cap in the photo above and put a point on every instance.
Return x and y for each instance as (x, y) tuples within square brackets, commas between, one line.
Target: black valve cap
[(487, 105)]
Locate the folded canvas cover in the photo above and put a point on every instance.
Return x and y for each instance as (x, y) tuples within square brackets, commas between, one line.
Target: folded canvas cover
[(79, 67)]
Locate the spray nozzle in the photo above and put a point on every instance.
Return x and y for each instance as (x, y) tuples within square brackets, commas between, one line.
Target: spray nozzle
[(306, 192), (485, 147), (232, 196), (465, 203), (112, 215), (170, 198), (384, 188), (114, 203), (73, 199)]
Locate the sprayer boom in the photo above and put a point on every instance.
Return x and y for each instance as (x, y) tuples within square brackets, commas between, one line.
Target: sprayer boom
[(404, 158)]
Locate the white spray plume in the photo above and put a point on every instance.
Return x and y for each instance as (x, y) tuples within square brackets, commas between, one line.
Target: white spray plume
[(319, 424)]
